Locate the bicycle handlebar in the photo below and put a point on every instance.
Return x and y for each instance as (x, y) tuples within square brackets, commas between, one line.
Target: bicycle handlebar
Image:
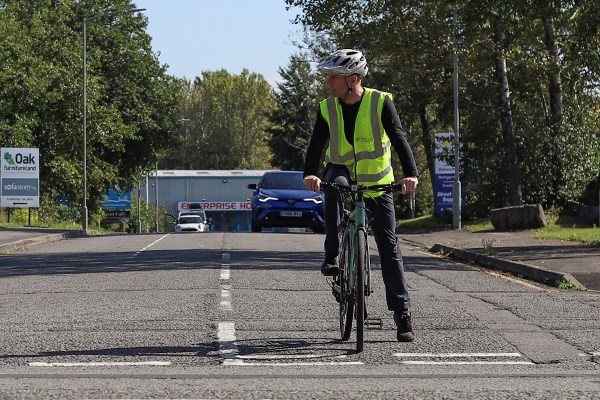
[(389, 187)]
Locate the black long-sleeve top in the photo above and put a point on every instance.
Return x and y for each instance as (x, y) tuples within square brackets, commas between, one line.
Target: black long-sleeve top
[(391, 124)]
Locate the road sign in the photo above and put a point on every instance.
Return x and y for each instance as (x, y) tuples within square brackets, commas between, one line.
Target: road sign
[(443, 179)]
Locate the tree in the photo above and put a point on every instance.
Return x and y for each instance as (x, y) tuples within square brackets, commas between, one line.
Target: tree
[(131, 101), (226, 123), (518, 144), (297, 103)]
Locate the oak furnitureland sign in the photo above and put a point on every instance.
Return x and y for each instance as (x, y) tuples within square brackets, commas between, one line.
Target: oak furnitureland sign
[(20, 177)]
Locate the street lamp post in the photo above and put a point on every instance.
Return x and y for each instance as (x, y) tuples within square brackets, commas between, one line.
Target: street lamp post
[(84, 211), (457, 192)]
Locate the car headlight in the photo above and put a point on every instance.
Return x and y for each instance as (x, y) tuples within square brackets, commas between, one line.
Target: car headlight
[(264, 198), (316, 200)]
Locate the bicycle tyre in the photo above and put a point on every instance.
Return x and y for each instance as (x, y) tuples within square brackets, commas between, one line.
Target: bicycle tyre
[(346, 298), (361, 242)]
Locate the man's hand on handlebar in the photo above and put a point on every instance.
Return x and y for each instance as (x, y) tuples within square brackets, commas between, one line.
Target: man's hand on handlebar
[(409, 184), (312, 182)]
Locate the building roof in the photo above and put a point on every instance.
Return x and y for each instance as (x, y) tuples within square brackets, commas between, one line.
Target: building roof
[(182, 173)]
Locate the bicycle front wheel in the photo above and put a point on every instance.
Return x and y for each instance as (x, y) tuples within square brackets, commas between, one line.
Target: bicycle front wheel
[(346, 295), (361, 254)]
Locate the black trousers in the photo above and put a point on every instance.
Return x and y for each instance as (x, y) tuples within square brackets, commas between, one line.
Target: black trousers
[(383, 225)]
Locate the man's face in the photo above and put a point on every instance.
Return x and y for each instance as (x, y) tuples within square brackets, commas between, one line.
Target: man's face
[(337, 84)]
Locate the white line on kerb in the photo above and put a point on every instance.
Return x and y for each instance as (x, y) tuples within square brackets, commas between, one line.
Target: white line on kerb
[(99, 364), (151, 244)]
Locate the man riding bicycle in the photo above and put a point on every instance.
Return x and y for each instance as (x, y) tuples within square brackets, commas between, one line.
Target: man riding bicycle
[(362, 125)]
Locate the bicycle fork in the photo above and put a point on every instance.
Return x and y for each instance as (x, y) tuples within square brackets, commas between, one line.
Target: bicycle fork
[(370, 323)]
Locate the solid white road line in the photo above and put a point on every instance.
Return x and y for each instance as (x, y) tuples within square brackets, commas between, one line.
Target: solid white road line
[(99, 364), (286, 356), (151, 244), (461, 355), (467, 362), (449, 355), (297, 364)]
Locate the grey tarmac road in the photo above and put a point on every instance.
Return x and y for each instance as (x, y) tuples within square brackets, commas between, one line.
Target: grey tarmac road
[(248, 316)]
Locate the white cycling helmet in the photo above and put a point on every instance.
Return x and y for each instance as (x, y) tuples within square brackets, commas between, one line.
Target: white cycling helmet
[(345, 62)]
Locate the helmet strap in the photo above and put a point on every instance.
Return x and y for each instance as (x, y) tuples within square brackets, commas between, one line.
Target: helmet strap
[(350, 86)]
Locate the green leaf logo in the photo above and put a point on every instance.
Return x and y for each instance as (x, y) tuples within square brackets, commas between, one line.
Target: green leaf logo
[(9, 159)]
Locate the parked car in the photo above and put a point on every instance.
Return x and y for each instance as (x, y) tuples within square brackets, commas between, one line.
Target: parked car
[(280, 200), (191, 223)]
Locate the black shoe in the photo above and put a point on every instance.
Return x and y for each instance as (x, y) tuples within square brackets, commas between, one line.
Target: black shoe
[(329, 267), (404, 331)]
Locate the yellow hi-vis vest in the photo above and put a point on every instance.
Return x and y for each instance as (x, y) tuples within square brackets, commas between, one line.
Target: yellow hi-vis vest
[(369, 158)]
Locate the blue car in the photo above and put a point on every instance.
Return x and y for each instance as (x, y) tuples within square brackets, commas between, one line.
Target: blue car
[(280, 200)]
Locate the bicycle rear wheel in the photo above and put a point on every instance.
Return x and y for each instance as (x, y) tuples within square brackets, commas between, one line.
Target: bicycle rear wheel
[(361, 254), (346, 297)]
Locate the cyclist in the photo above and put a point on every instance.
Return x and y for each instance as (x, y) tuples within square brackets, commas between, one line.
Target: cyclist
[(361, 125)]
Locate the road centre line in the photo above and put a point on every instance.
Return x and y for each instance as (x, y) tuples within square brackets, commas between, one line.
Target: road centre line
[(225, 289), (227, 346), (225, 298), (150, 245), (100, 364), (225, 272)]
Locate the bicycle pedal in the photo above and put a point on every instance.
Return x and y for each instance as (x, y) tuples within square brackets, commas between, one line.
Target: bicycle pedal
[(374, 323)]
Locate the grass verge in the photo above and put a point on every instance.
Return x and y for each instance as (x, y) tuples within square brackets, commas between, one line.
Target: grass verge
[(553, 230)]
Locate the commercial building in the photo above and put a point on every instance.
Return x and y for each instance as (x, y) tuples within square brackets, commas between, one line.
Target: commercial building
[(223, 194)]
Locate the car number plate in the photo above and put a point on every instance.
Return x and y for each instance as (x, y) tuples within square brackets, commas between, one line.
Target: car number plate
[(291, 213)]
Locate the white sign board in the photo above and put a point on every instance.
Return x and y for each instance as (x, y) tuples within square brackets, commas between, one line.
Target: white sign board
[(215, 205), (19, 177), (444, 147)]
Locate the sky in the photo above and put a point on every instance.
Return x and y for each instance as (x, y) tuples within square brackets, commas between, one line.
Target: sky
[(192, 36)]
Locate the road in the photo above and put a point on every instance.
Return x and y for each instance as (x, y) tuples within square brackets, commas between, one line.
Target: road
[(248, 316)]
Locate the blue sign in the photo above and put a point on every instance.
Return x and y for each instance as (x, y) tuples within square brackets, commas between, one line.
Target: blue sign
[(443, 185), (114, 200), (443, 179)]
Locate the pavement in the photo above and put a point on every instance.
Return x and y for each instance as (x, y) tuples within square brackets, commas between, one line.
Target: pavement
[(549, 262), (545, 261)]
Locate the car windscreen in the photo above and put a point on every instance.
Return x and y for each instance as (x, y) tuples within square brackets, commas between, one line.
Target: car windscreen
[(190, 220), (283, 181)]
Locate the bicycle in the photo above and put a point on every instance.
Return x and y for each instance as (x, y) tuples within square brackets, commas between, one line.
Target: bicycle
[(353, 284)]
